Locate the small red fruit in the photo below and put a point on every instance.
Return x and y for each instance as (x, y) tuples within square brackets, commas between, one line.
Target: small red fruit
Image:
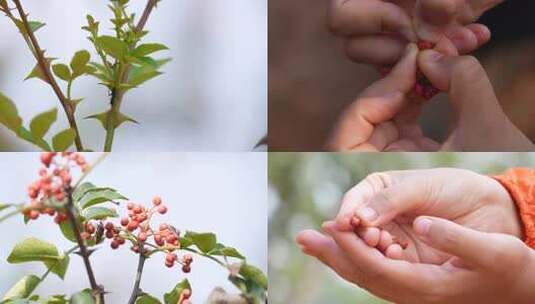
[(156, 201), (162, 209)]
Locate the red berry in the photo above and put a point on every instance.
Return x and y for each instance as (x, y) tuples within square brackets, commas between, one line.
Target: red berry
[(162, 209), (425, 45), (85, 235), (170, 257), (124, 221), (110, 234), (109, 226), (130, 206), (163, 227), (50, 211), (133, 225), (114, 244), (169, 264), (90, 228), (159, 240), (186, 294), (137, 209), (186, 268), (33, 214), (46, 158), (43, 172), (142, 237), (156, 201), (135, 249)]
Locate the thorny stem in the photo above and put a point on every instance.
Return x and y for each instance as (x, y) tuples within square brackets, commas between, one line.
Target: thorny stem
[(84, 253), (45, 68), (141, 263), (117, 94)]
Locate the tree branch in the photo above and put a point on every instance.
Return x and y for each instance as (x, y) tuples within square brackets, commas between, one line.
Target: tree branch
[(117, 94), (84, 253), (141, 263), (45, 68)]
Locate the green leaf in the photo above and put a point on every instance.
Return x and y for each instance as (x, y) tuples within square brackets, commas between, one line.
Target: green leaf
[(118, 120), (67, 231), (35, 25), (112, 46), (9, 115), (185, 242), (139, 75), (23, 288), (62, 71), (98, 213), (79, 62), (98, 197), (37, 72), (148, 48), (81, 190), (27, 136), (55, 299), (33, 250), (204, 241), (254, 274), (82, 297), (173, 296), (63, 140), (40, 125), (147, 299), (222, 250), (60, 266)]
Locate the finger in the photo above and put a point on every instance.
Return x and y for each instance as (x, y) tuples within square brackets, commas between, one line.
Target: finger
[(381, 50), (385, 241), (370, 235), (379, 271), (367, 17), (394, 252), (353, 198), (472, 246), (327, 251), (396, 199), (383, 134), (400, 79), (432, 17), (468, 38)]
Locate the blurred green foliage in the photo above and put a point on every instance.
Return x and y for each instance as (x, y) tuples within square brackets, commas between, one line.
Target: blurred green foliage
[(305, 189)]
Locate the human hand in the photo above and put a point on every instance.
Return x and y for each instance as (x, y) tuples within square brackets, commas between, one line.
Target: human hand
[(380, 120), (484, 268), (376, 31), (392, 200)]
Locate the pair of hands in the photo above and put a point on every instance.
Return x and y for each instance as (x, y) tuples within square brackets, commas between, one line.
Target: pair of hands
[(462, 232), (385, 116)]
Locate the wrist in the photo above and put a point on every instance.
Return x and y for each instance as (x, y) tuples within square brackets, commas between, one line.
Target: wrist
[(512, 221), (525, 293)]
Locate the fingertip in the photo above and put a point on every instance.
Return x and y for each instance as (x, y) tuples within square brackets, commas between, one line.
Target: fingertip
[(481, 32), (371, 236), (421, 225), (385, 240), (394, 252)]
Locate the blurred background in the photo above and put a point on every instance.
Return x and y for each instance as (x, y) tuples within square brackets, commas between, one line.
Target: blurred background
[(305, 189), (212, 96), (224, 193), (311, 81)]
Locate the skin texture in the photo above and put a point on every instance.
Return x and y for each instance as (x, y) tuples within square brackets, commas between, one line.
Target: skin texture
[(376, 32), (385, 116), (457, 225)]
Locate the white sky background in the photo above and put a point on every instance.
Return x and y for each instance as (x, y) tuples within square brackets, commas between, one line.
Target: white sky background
[(221, 193), (212, 96)]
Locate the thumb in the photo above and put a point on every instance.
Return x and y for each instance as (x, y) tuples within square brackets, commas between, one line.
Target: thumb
[(473, 247)]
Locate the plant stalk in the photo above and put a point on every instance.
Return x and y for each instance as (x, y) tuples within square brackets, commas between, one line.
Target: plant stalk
[(118, 94), (141, 263), (45, 68), (83, 248)]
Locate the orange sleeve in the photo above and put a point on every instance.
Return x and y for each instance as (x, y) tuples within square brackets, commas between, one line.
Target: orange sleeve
[(520, 182)]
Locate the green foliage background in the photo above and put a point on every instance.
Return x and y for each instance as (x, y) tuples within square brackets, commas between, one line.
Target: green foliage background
[(305, 189)]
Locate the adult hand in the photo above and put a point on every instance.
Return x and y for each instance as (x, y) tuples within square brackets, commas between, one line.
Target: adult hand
[(484, 268), (376, 31), (392, 200)]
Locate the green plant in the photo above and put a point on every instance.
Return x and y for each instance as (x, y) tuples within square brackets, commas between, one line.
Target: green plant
[(124, 62), (85, 216)]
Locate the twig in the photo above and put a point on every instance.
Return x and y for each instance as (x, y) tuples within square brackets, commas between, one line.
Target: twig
[(10, 214), (141, 263), (118, 94), (45, 68), (83, 249)]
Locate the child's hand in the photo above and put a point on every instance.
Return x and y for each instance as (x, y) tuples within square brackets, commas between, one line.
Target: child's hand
[(384, 117), (484, 268), (392, 200), (377, 31)]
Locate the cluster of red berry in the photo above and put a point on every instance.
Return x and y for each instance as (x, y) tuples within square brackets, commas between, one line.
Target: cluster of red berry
[(423, 86), (54, 180), (137, 226)]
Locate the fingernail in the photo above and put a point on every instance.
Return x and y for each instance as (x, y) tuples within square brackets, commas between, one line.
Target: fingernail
[(367, 214), (422, 225), (435, 56)]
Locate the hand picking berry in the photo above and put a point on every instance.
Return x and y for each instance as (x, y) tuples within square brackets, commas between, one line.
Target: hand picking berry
[(423, 86)]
